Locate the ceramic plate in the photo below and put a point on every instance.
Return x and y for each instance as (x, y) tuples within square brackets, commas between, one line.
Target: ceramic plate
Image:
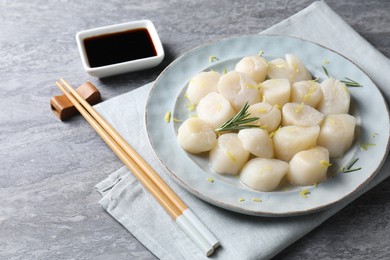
[(193, 172)]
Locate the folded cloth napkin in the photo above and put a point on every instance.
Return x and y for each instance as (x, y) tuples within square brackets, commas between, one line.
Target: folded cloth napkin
[(241, 236)]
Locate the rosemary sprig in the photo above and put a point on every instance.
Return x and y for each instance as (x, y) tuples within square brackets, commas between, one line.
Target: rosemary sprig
[(351, 83), (348, 168), (239, 121), (347, 81)]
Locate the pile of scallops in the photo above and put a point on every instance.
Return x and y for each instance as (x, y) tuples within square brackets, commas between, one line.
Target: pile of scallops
[(301, 123)]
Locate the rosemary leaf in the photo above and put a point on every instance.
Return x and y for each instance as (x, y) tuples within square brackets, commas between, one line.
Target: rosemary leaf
[(352, 163), (351, 83), (326, 71), (348, 168), (352, 170)]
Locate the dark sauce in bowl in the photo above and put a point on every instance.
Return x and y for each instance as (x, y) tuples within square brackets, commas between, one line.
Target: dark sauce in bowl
[(119, 47)]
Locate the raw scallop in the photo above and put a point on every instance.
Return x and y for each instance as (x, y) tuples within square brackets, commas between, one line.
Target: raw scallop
[(309, 167), (269, 116), (336, 97), (257, 141), (289, 140), (300, 115), (276, 91), (228, 156), (239, 89), (291, 69), (308, 92), (201, 85), (337, 134), (263, 174), (196, 136), (254, 66), (215, 110)]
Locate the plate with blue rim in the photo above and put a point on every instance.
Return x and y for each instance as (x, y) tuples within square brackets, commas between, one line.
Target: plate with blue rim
[(193, 173)]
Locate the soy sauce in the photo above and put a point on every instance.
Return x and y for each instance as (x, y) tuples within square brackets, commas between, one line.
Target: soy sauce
[(119, 47)]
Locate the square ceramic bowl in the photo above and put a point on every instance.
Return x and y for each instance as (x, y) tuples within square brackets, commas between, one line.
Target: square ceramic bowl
[(87, 54)]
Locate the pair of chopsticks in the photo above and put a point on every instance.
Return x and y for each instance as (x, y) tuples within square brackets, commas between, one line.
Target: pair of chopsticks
[(164, 195)]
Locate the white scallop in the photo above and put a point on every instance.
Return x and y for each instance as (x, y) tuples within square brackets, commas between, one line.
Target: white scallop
[(279, 69), (336, 97), (276, 91), (228, 156), (201, 85), (309, 167), (263, 174), (289, 140), (337, 134), (300, 115), (214, 109), (257, 141), (292, 69), (239, 89), (196, 136), (254, 66), (299, 70), (308, 92), (269, 116)]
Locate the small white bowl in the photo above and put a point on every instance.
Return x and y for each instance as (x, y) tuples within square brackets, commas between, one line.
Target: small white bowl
[(121, 67)]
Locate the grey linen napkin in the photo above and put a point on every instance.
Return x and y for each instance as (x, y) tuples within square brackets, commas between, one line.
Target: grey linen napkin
[(241, 237)]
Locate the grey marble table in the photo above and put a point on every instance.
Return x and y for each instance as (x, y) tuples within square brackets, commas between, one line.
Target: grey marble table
[(48, 206)]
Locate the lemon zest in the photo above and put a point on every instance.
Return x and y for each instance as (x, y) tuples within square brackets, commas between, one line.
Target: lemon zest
[(364, 147), (257, 200), (231, 156), (191, 107), (167, 117), (210, 179), (213, 58), (304, 193), (325, 164), (219, 107), (248, 85), (299, 108), (308, 94)]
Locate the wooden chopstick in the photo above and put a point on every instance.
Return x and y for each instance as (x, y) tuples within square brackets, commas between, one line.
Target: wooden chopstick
[(145, 174)]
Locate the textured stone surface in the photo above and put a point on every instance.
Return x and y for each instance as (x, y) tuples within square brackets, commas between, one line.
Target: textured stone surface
[(48, 207)]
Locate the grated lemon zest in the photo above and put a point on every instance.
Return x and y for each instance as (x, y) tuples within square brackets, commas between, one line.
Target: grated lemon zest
[(299, 108), (191, 107), (167, 117), (325, 164), (308, 94), (257, 200), (262, 110), (231, 156), (210, 179), (304, 193), (213, 58), (247, 85), (364, 147)]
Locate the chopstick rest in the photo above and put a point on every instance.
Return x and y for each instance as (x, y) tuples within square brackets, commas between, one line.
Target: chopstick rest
[(64, 109)]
